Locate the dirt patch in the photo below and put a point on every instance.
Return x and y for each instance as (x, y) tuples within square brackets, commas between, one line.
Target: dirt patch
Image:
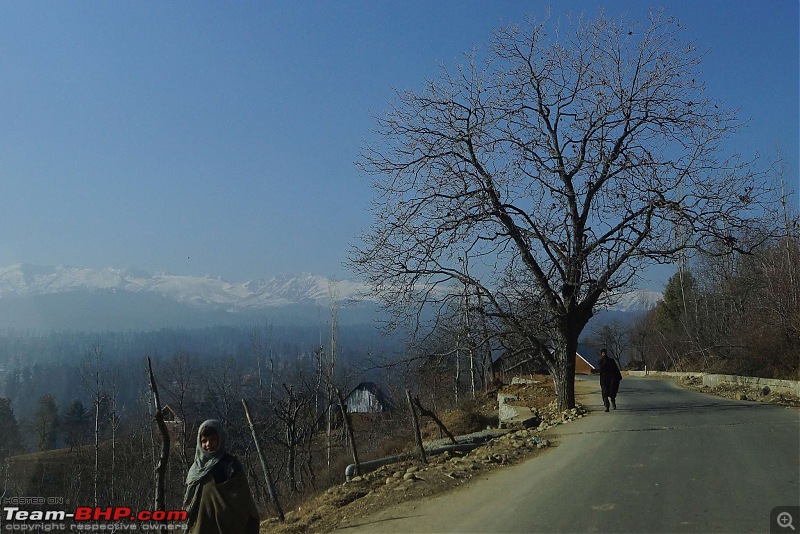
[(459, 422), (412, 479)]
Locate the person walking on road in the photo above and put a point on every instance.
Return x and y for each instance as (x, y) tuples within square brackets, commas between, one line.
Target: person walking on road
[(610, 378)]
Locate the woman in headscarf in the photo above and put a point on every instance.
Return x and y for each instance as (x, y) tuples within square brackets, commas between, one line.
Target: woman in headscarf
[(218, 499)]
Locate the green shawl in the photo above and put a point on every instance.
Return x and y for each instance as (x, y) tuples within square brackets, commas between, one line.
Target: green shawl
[(226, 508)]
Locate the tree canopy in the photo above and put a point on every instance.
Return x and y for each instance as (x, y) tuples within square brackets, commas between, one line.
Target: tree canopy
[(545, 172)]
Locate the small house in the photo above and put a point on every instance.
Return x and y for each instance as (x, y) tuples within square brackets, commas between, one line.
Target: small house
[(507, 366), (170, 417), (503, 369), (173, 422), (586, 360), (367, 397)]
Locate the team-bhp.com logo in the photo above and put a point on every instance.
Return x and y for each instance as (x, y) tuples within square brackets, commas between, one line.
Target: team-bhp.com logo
[(118, 518)]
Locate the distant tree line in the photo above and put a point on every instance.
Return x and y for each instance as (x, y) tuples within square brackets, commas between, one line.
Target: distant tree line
[(725, 313), (36, 364)]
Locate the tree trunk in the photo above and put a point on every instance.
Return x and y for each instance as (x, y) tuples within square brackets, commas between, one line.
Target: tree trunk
[(161, 467), (563, 372), (292, 454), (349, 428), (96, 445)]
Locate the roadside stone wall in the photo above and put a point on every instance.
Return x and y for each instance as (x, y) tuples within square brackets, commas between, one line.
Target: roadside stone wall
[(791, 387)]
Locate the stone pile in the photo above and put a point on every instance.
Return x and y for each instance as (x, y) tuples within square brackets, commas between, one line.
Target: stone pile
[(551, 416)]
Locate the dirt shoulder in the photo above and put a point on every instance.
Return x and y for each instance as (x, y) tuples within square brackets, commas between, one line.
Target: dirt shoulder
[(412, 479)]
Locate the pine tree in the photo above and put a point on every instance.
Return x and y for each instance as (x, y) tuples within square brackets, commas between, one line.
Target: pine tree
[(12, 439), (75, 424), (679, 293), (45, 423)]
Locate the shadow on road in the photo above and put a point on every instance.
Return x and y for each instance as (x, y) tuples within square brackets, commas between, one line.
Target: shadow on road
[(691, 407), (634, 399)]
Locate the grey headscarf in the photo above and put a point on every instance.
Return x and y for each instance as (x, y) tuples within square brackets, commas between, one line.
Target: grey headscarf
[(204, 462)]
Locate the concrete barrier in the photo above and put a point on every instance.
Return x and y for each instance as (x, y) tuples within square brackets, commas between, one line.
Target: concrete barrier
[(510, 415), (792, 387)]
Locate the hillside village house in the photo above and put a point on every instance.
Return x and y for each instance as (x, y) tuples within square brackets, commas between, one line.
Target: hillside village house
[(173, 422), (504, 370), (367, 397)]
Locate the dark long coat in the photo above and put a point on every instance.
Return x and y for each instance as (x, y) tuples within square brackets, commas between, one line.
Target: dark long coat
[(610, 376)]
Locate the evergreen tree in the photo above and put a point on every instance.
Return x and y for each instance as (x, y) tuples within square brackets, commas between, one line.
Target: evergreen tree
[(45, 423), (678, 294), (13, 384), (75, 424), (12, 439)]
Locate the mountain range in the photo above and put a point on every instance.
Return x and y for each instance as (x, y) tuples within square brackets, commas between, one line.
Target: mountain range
[(25, 280), (62, 297)]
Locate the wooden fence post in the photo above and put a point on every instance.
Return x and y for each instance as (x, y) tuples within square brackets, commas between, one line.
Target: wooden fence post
[(415, 422), (428, 413), (349, 427)]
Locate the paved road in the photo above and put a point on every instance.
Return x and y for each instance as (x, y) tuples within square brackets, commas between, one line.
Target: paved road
[(668, 460)]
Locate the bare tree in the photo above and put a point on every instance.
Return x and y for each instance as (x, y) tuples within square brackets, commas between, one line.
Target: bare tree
[(181, 386), (223, 382), (93, 374), (161, 467), (293, 414), (330, 387), (114, 421), (257, 348), (560, 162), (641, 336), (615, 337)]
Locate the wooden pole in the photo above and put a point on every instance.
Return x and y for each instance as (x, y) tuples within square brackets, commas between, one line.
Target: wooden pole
[(273, 494), (428, 413), (161, 467), (415, 422), (349, 427)]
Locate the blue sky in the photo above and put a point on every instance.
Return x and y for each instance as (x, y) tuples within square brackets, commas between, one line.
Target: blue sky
[(219, 137)]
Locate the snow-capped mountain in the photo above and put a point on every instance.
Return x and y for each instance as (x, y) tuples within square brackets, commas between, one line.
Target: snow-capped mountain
[(635, 301), (72, 298), (24, 280)]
